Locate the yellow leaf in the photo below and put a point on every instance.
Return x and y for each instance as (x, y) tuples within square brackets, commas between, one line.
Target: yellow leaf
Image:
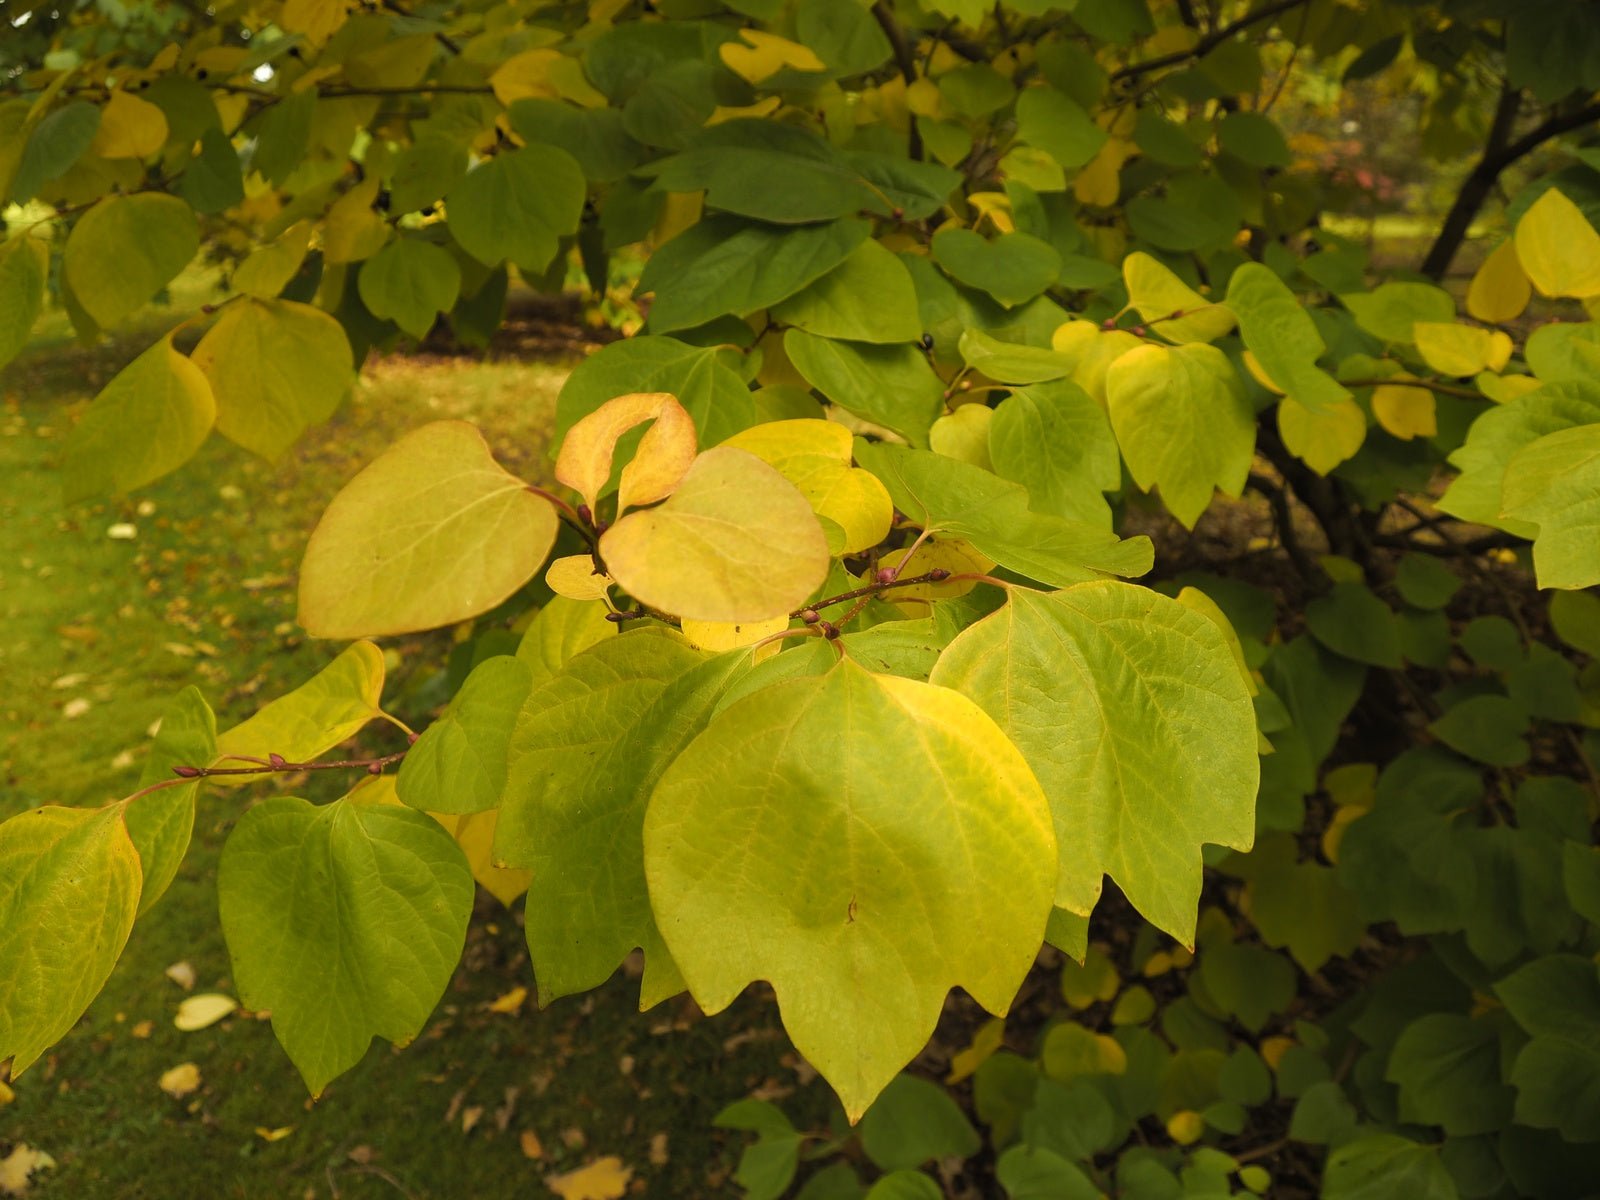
[(814, 455), (1558, 248), (735, 542), (353, 229), (964, 435), (129, 128), (1503, 389), (604, 1179), (182, 974), (957, 557), (1158, 294), (761, 108), (1073, 338), (206, 1009), (269, 268), (575, 578), (679, 211), (474, 833), (924, 99), (181, 1080), (543, 72), (274, 1135), (511, 1003), (766, 54), (1100, 183), (717, 636), (1333, 833), (316, 19), (996, 206), (1105, 349), (16, 1167), (532, 1147), (1273, 1049), (6, 1094), (664, 454), (1322, 437), (1405, 411), (1186, 1127), (1461, 350), (1259, 373), (985, 1042), (1501, 289)]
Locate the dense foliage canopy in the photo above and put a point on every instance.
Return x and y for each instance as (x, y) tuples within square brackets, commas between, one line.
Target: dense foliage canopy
[(818, 659)]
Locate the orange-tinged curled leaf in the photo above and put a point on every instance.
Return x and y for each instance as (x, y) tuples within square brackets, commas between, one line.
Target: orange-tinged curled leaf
[(664, 454), (735, 542), (431, 532)]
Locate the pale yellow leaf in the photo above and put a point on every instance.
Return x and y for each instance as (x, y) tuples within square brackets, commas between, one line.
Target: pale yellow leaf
[(964, 435), (574, 577), (664, 453), (1322, 437), (1406, 412), (984, 1043), (532, 1147), (182, 974), (1172, 308), (510, 1003), (206, 1009), (735, 542), (17, 1167), (474, 833), (604, 1179), (765, 54), (1501, 289), (956, 557), (814, 455), (129, 128), (717, 636), (1461, 350), (181, 1080), (273, 1135), (1558, 248)]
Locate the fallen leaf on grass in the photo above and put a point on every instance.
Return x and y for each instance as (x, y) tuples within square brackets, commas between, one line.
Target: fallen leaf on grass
[(658, 1150), (6, 1094), (208, 1008), (182, 1080), (604, 1179), (142, 1029), (511, 1003), (273, 1135), (182, 974), (471, 1117), (532, 1147), (16, 1167)]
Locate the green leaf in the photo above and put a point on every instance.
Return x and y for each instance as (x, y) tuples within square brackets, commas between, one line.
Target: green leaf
[(769, 171), (866, 298), (1056, 441), (1115, 747), (901, 895), (703, 381), (735, 542), (410, 282), (460, 762), (918, 189), (905, 1185), (1447, 1067), (587, 751), (275, 368), (162, 822), (429, 168), (1491, 729), (1554, 483), (1254, 138), (344, 921), (844, 35), (431, 532), (1030, 1173), (1557, 1074), (1282, 337), (517, 206), (1058, 125), (1352, 622), (947, 496), (1575, 617), (1008, 362), (1198, 212), (728, 265), (149, 420), (24, 266), (1184, 424), (1386, 1167), (766, 1168), (1246, 982), (1425, 582), (55, 143), (560, 630), (126, 249), (1391, 310), (913, 1121), (69, 888), (892, 386), (319, 714), (1497, 436), (1158, 294), (213, 180), (1012, 268), (1300, 906)]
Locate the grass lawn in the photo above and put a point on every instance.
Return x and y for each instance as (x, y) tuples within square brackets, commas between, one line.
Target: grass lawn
[(96, 633)]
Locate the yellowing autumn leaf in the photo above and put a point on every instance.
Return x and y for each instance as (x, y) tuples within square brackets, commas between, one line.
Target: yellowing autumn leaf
[(273, 1135), (728, 635), (814, 455), (17, 1167), (1406, 411), (129, 128), (664, 454), (984, 1043), (1558, 248), (575, 578), (511, 1003), (604, 1179), (198, 1012), (1461, 350), (1501, 289), (474, 833), (181, 1080), (765, 54)]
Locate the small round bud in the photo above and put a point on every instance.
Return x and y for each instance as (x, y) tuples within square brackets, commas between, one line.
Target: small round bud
[(202, 73), (375, 769), (1108, 324), (1139, 331), (927, 341), (186, 772), (411, 738), (811, 616), (585, 515), (898, 213), (886, 575), (938, 574), (966, 385), (277, 762)]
